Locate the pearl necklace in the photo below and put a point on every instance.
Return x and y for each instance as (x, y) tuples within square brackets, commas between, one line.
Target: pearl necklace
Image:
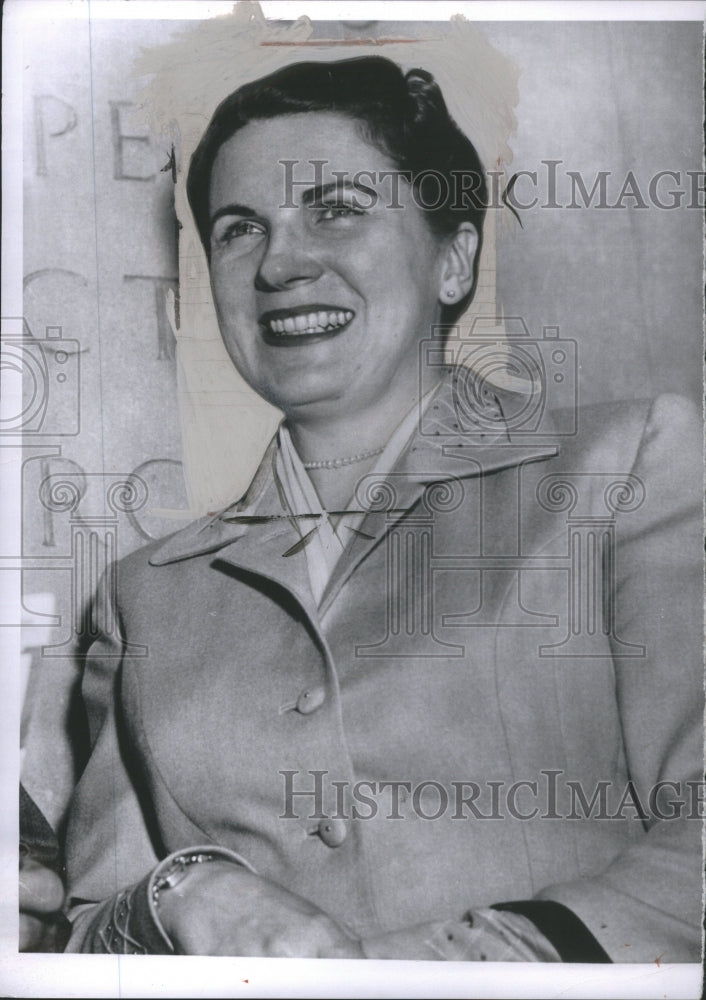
[(337, 463)]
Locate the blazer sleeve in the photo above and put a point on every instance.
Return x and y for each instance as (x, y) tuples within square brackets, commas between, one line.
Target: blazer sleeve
[(114, 852), (647, 904), (109, 847)]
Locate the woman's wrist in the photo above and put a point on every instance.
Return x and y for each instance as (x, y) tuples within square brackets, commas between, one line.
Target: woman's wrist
[(177, 876)]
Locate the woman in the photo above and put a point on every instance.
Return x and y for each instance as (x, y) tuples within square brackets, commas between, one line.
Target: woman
[(360, 716)]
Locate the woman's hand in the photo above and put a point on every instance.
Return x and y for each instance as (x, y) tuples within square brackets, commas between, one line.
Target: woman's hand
[(41, 899), (221, 909)]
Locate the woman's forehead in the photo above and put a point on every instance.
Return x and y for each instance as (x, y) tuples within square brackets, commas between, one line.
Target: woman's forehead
[(265, 156)]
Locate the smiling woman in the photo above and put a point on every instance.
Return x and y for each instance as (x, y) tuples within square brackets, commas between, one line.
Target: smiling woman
[(329, 247), (323, 305), (415, 595)]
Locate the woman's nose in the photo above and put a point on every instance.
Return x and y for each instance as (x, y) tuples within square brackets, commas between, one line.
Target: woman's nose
[(287, 261)]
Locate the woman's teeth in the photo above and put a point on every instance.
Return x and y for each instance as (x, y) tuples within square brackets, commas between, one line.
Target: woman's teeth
[(314, 322)]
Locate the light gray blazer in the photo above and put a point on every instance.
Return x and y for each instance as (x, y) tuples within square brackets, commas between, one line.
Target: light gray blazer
[(512, 609)]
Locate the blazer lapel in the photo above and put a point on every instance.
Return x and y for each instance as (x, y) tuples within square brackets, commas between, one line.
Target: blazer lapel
[(269, 549), (256, 534)]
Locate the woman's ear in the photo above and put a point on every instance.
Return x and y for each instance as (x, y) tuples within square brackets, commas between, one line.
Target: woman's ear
[(457, 270)]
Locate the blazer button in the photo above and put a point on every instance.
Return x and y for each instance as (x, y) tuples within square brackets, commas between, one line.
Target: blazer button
[(311, 699), (333, 832)]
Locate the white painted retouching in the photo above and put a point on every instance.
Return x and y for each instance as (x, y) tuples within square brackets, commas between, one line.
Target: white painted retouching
[(225, 425)]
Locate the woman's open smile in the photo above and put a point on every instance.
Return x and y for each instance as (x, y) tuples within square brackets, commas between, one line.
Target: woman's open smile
[(294, 327)]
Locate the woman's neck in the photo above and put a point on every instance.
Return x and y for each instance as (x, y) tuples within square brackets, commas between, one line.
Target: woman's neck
[(342, 448), (333, 434)]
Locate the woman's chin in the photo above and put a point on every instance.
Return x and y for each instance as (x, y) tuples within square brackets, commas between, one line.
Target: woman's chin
[(308, 400)]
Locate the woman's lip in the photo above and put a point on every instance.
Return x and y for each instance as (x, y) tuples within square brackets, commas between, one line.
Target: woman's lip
[(304, 323), (301, 339), (311, 307)]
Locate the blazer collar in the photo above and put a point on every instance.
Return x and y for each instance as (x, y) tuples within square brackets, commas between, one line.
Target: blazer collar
[(253, 534), (257, 534)]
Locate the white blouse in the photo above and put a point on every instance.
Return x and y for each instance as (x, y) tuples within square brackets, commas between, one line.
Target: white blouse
[(325, 543)]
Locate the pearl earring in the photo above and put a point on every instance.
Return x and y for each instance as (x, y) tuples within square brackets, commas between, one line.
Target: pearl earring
[(450, 294)]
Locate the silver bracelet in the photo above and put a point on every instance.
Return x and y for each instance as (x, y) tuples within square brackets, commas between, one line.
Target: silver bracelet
[(177, 871)]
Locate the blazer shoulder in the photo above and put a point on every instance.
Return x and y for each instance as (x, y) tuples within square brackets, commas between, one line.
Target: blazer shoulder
[(617, 433)]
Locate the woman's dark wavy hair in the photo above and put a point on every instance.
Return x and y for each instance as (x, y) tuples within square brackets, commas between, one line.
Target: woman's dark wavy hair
[(403, 115)]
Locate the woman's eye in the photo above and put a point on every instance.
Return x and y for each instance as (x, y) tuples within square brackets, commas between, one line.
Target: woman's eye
[(234, 230), (340, 210)]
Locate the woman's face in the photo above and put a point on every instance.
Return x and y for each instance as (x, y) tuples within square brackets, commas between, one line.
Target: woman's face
[(323, 290)]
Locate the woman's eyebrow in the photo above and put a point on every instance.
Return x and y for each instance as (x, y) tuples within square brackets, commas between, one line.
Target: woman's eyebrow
[(232, 209), (314, 195)]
